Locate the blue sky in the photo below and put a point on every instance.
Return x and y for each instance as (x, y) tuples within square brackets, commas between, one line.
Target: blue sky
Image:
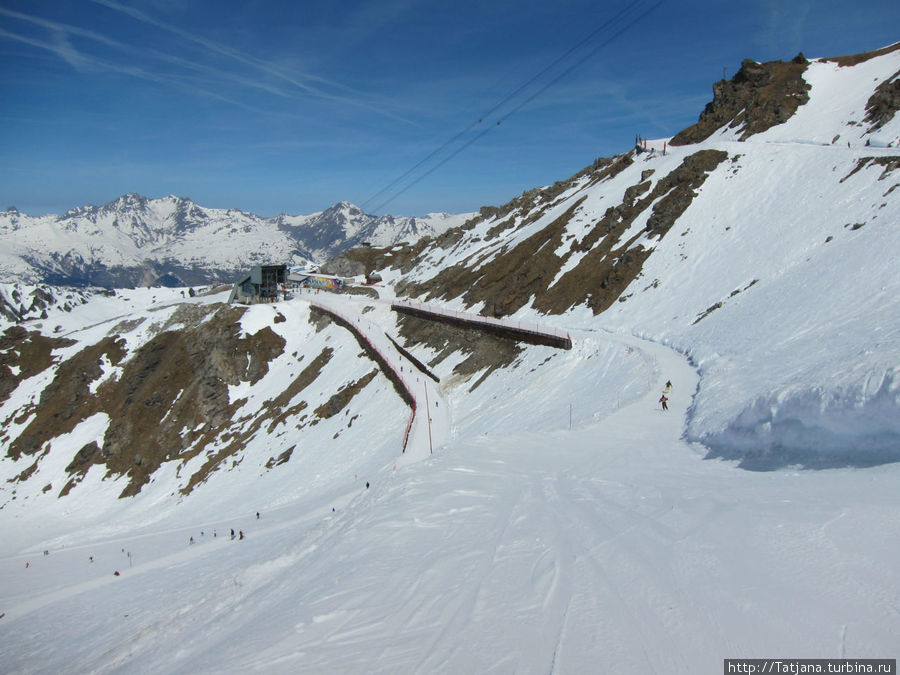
[(290, 106)]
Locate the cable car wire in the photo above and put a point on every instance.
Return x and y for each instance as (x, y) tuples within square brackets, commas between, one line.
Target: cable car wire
[(518, 107), (501, 103)]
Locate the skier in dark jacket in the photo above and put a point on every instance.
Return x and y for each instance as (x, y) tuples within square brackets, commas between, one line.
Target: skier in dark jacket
[(664, 401)]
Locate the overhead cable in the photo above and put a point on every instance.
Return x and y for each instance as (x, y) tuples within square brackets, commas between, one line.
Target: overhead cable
[(499, 104), (629, 24)]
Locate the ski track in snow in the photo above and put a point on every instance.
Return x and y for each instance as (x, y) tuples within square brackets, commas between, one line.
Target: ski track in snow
[(613, 547)]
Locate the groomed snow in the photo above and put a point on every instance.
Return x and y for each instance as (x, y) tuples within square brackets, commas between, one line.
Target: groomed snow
[(520, 545)]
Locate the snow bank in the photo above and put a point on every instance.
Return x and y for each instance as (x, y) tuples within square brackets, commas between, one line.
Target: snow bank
[(813, 427)]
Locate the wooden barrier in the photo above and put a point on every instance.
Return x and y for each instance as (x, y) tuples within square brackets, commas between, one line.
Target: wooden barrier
[(516, 330), (375, 354)]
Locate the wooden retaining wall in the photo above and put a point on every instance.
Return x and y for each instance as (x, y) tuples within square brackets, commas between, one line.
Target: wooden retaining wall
[(521, 332), (374, 354)]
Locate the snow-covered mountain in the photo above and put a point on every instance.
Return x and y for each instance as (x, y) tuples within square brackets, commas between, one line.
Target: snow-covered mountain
[(762, 240), (172, 241), (346, 226), (547, 515)]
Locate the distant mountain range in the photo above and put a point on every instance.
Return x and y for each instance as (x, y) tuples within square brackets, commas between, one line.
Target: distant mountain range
[(136, 241)]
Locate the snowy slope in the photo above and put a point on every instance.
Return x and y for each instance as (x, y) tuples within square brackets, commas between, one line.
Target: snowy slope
[(810, 353), (520, 546), (547, 516)]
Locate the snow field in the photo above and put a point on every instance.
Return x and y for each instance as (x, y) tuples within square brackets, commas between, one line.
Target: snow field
[(612, 547)]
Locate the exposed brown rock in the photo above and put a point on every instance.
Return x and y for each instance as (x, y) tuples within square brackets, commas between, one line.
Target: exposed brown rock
[(609, 266), (181, 377), (343, 396), (884, 103), (508, 279), (855, 59), (759, 96), (279, 407), (30, 351), (169, 402), (511, 278), (67, 400), (889, 162), (282, 458), (275, 412)]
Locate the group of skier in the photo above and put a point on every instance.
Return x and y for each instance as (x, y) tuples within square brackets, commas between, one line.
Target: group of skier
[(240, 533)]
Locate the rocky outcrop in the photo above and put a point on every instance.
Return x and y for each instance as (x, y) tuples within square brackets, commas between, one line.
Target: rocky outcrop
[(758, 97), (607, 264), (20, 303), (344, 266), (24, 354), (611, 264), (168, 401), (884, 102), (856, 59), (484, 353)]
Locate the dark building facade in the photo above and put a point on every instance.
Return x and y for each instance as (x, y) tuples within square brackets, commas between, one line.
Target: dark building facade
[(263, 284)]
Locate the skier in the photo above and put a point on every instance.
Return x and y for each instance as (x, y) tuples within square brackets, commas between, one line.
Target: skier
[(257, 515), (232, 533), (668, 387), (664, 401), (192, 540), (241, 533)]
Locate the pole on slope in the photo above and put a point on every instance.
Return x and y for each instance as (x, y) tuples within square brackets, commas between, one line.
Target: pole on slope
[(428, 419)]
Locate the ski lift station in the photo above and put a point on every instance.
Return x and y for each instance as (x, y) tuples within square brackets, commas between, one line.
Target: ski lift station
[(261, 285), (266, 283)]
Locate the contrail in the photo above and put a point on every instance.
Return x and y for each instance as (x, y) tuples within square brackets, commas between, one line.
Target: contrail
[(254, 62)]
